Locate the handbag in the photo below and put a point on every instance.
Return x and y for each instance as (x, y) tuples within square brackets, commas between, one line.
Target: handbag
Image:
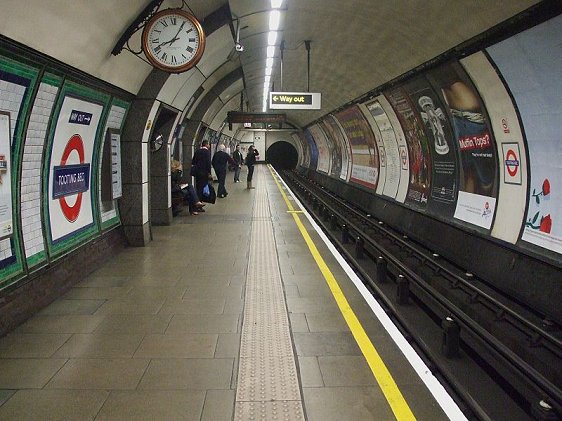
[(209, 194)]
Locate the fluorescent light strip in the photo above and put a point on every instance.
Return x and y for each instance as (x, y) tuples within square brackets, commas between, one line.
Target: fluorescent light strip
[(274, 19), (270, 51), (272, 38), (276, 4)]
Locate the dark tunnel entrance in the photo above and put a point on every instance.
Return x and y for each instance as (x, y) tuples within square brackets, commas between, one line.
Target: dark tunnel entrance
[(282, 155)]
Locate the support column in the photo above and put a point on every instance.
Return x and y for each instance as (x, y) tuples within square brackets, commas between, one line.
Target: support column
[(133, 206)]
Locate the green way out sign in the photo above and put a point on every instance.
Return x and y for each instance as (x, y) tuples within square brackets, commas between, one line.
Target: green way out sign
[(294, 101)]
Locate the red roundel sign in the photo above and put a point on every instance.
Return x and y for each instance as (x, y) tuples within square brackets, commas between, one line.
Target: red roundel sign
[(511, 162), (74, 144)]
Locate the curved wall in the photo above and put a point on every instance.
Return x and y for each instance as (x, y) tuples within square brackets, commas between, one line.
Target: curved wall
[(474, 142)]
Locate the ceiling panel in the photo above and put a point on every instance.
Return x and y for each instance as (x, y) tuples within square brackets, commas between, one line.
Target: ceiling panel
[(232, 90), (218, 47), (220, 117), (356, 45), (184, 94), (212, 111)]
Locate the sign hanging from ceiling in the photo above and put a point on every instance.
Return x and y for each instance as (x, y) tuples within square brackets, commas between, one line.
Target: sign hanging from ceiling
[(295, 101)]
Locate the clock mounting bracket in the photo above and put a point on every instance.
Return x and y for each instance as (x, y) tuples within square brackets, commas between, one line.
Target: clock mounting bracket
[(137, 25)]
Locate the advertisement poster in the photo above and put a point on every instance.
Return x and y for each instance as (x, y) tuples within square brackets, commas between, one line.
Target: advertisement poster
[(334, 134), (324, 149), (537, 92), (476, 209), (388, 137), (418, 149), (70, 202), (342, 152), (444, 166), (313, 150), (474, 140), (6, 223), (305, 149), (364, 151), (116, 179), (298, 146)]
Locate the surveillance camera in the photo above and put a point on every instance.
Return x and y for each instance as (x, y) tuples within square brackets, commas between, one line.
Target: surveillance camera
[(239, 47)]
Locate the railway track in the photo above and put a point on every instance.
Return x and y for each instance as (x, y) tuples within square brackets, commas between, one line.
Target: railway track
[(499, 358)]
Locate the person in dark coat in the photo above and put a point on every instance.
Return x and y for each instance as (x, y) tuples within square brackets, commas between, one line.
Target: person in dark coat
[(220, 161), (250, 162), (201, 170), (239, 159)]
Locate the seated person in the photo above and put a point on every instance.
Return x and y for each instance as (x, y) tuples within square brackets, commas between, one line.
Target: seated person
[(185, 192), (195, 205)]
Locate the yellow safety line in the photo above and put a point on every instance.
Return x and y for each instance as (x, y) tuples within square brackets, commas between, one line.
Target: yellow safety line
[(383, 377)]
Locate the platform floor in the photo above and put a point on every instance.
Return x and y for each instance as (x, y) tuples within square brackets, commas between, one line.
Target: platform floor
[(156, 333)]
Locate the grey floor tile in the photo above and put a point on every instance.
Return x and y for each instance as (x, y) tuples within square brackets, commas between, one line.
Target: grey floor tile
[(346, 403), (309, 370), (61, 324), (194, 306), (177, 346), (311, 305), (97, 280), (27, 372), (99, 374), (96, 293), (219, 405), (346, 371), (234, 306), (324, 344), (214, 290), (204, 323), (5, 394), (228, 345), (53, 405), (145, 306), (291, 291), (65, 307), (193, 373), (326, 322), (143, 293), (315, 290), (298, 322), (153, 405), (31, 345), (134, 323), (100, 345)]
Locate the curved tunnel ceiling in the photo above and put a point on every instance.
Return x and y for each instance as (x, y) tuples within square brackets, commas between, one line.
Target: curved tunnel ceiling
[(356, 45)]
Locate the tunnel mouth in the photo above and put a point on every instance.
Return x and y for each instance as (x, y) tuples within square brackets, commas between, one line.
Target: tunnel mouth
[(282, 155)]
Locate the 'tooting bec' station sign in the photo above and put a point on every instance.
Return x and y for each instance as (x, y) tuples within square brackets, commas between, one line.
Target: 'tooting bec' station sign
[(75, 178), (295, 101)]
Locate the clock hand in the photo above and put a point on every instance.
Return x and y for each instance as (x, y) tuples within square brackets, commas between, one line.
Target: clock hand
[(175, 38)]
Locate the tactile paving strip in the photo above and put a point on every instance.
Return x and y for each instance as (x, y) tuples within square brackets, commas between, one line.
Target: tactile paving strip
[(286, 411), (268, 384)]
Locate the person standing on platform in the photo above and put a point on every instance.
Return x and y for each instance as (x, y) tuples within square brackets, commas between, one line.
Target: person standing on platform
[(239, 160), (201, 167), (250, 162), (220, 161)]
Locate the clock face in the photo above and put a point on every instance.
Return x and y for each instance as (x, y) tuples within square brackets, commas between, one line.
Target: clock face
[(173, 40)]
